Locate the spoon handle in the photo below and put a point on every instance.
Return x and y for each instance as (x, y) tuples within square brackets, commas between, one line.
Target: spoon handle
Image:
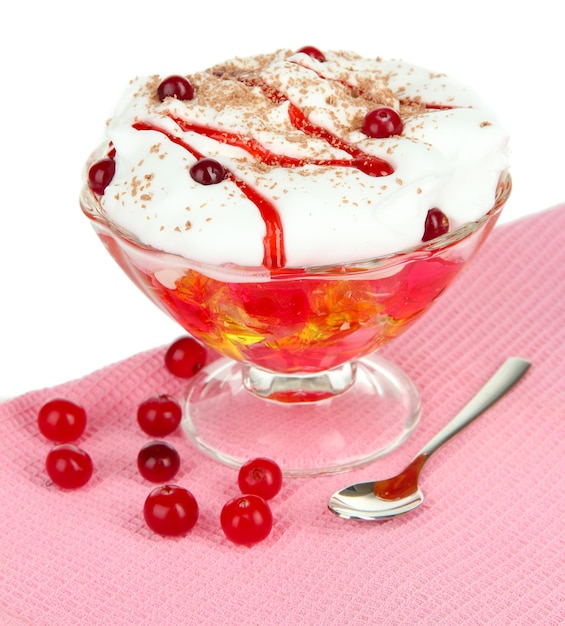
[(502, 381)]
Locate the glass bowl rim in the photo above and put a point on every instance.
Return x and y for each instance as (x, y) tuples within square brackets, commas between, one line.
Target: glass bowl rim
[(91, 208)]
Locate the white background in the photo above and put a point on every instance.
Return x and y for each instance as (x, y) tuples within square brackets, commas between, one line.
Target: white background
[(65, 307)]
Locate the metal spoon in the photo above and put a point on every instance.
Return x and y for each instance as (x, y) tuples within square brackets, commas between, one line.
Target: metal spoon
[(388, 498)]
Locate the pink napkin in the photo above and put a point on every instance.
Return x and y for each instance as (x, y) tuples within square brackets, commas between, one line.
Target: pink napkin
[(486, 547)]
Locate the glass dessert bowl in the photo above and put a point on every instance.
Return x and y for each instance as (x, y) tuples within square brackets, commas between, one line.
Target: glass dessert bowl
[(295, 211), (298, 379)]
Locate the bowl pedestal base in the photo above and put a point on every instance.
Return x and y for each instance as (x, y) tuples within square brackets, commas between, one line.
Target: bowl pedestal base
[(310, 424)]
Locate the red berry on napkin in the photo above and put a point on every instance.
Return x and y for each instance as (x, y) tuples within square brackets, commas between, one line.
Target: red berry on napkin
[(185, 357), (61, 420), (159, 415), (246, 519), (158, 461), (260, 476), (68, 466), (170, 510)]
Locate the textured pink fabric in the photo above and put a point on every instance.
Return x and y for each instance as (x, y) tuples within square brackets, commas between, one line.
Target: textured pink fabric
[(485, 548)]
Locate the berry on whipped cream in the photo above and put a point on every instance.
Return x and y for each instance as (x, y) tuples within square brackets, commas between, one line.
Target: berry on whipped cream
[(295, 159)]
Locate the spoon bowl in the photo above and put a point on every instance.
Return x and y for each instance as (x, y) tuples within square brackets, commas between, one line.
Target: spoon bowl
[(358, 501), (384, 499)]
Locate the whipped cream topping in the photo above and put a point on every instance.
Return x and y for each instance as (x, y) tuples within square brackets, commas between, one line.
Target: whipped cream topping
[(302, 175)]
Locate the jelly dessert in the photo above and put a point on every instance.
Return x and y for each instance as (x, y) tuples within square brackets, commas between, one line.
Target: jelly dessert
[(287, 161), (294, 211)]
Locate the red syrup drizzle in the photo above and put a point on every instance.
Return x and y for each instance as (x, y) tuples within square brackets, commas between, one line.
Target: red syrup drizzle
[(274, 257), (366, 163), (273, 242), (413, 103), (373, 166), (428, 107)]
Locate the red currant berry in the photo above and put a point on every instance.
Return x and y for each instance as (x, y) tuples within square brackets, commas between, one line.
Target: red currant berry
[(313, 52), (185, 357), (436, 224), (246, 519), (177, 87), (68, 466), (61, 420), (170, 510), (261, 477), (158, 461), (208, 172), (382, 122), (159, 416), (100, 174)]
